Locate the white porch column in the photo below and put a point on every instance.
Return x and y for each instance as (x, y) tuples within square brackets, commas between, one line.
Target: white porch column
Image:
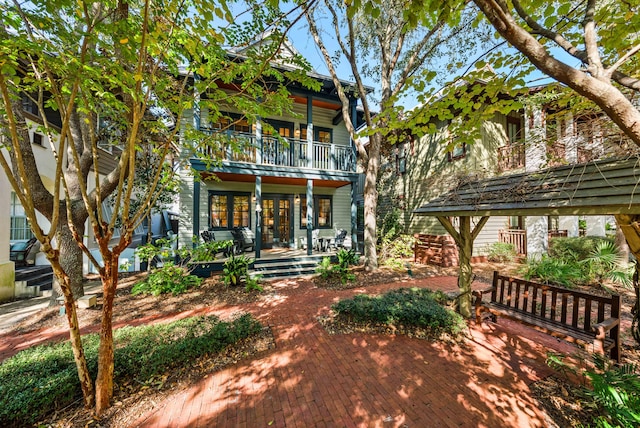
[(537, 236), (537, 227), (595, 225), (570, 224), (7, 269)]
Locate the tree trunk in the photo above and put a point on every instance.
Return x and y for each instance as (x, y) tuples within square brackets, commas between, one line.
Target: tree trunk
[(599, 90), (371, 204), (71, 257), (629, 224), (621, 243), (74, 329), (104, 381), (465, 277)]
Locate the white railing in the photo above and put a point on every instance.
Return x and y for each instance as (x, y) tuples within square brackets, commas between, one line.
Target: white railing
[(279, 151)]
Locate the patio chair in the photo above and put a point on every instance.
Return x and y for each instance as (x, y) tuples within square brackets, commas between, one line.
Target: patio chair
[(315, 242), (338, 241), (19, 251)]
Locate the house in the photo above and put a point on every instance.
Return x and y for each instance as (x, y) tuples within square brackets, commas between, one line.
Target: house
[(291, 179), (521, 141)]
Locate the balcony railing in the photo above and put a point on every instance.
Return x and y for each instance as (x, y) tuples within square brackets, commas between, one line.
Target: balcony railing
[(511, 156), (289, 152), (516, 237)]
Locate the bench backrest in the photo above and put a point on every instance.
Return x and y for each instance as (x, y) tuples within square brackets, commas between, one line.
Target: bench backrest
[(557, 304)]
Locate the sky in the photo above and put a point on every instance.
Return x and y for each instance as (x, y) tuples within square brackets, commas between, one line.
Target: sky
[(303, 42)]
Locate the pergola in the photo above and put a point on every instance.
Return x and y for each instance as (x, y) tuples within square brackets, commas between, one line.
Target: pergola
[(610, 187)]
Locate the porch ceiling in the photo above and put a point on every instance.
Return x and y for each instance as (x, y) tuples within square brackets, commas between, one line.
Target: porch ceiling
[(244, 178), (594, 188)]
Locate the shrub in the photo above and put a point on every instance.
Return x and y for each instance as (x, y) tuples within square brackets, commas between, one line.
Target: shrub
[(345, 258), (502, 252), (614, 389), (605, 262), (553, 270), (167, 279), (584, 260), (407, 307), (574, 249), (236, 272), (43, 378)]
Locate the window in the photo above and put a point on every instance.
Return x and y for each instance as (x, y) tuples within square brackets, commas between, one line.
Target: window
[(322, 212), (516, 222), (29, 105), (228, 210), (37, 139), (458, 151), (233, 123), (401, 158), (219, 208), (322, 135), (19, 228), (514, 129), (283, 129), (241, 211)]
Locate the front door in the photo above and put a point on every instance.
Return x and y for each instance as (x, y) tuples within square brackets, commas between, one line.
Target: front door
[(277, 216)]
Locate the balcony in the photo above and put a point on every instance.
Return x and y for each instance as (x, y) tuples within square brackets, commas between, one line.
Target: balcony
[(280, 151), (511, 156)]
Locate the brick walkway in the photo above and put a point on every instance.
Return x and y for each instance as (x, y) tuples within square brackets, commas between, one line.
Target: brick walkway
[(312, 379)]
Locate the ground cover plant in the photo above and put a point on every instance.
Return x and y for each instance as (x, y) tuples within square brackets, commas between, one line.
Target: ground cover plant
[(42, 379), (403, 309)]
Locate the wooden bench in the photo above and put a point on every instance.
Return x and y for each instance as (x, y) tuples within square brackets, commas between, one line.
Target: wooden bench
[(582, 318)]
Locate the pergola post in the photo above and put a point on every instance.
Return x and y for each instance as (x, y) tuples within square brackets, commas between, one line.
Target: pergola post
[(464, 238)]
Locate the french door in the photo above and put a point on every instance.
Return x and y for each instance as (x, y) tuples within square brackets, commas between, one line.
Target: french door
[(277, 221)]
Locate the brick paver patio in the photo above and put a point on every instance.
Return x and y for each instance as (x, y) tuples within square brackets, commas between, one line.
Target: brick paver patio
[(313, 379)]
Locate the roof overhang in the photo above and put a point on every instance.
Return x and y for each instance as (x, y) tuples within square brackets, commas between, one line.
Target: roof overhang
[(594, 188)]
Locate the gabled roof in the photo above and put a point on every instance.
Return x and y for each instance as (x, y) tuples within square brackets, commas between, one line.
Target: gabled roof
[(594, 188)]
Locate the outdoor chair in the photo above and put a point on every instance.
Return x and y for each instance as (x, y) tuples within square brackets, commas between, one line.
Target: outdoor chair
[(338, 241), (19, 251)]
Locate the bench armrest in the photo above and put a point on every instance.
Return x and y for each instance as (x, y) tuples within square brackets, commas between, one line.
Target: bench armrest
[(480, 293), (603, 327)]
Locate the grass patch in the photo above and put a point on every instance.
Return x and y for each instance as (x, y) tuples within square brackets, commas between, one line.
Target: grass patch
[(42, 379), (404, 309)]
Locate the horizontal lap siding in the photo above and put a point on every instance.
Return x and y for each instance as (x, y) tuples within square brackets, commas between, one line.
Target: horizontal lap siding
[(488, 235)]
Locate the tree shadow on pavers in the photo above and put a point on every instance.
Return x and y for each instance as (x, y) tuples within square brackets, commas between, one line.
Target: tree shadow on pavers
[(371, 380)]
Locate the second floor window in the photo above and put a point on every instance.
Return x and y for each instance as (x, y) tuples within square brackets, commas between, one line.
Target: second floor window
[(322, 135), (514, 130), (458, 151)]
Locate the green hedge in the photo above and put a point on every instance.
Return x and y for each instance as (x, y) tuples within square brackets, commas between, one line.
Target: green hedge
[(41, 379), (408, 307)]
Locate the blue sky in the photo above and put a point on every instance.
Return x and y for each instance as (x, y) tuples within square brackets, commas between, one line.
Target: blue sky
[(303, 42)]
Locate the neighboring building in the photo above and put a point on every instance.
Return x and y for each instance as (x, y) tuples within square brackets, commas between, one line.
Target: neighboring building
[(282, 187), (422, 169)]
